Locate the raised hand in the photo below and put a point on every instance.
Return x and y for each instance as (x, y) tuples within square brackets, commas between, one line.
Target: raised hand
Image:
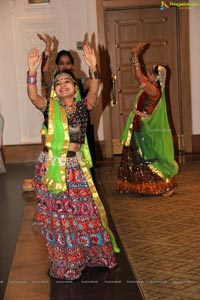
[(89, 55), (139, 48), (33, 59), (45, 38), (55, 43)]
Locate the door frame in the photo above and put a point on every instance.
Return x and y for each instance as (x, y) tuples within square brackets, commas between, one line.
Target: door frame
[(184, 69)]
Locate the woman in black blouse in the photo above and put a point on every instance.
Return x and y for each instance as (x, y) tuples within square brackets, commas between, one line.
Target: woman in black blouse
[(69, 211)]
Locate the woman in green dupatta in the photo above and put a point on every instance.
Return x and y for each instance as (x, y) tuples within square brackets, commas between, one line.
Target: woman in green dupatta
[(69, 210), (54, 61), (147, 164)]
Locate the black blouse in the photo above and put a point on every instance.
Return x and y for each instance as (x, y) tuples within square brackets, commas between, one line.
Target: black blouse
[(77, 121)]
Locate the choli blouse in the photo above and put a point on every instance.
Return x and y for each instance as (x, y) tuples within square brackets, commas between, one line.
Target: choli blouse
[(77, 121)]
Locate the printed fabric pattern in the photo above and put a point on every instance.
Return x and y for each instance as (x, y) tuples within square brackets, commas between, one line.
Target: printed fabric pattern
[(71, 225)]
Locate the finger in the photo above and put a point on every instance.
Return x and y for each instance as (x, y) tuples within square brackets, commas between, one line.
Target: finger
[(86, 38), (48, 37), (89, 49), (39, 35), (34, 52), (92, 51), (42, 38), (86, 49)]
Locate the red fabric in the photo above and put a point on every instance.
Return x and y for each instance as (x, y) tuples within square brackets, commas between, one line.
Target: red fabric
[(136, 120)]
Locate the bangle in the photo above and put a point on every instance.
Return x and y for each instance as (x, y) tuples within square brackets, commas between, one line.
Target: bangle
[(137, 65), (46, 54), (94, 74), (133, 61), (33, 75), (32, 79)]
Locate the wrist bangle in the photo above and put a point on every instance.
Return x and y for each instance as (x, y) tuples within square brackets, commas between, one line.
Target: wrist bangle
[(31, 79), (33, 75), (137, 65), (46, 54), (132, 60), (94, 74)]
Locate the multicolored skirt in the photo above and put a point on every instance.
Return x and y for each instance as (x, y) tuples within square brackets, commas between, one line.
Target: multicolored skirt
[(135, 176), (71, 225)]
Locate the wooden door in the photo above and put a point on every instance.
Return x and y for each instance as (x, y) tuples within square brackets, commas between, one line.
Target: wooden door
[(124, 29)]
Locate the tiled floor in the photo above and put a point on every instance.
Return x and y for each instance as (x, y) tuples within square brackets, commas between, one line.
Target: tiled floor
[(23, 259), (160, 235)]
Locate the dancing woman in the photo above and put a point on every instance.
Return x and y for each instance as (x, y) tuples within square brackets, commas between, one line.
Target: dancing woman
[(147, 164), (69, 211)]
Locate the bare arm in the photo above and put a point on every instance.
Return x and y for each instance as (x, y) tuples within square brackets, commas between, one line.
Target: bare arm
[(46, 68), (151, 89), (34, 60), (90, 59), (86, 83)]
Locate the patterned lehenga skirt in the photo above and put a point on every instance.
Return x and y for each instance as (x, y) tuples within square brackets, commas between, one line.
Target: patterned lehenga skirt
[(136, 176), (71, 225)]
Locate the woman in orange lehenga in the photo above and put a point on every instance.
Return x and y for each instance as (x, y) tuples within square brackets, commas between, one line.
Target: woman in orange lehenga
[(147, 164)]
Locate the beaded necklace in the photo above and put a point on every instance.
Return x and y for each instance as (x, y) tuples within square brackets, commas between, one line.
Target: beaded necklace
[(69, 109)]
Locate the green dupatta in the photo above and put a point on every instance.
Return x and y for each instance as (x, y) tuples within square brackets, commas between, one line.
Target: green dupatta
[(154, 139), (57, 141)]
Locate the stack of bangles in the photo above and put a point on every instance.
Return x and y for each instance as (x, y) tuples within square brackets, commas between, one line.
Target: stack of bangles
[(135, 63), (32, 79)]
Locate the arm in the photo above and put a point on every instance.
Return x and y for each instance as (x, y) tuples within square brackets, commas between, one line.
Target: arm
[(86, 83), (34, 60), (46, 70), (152, 90), (90, 59), (54, 51)]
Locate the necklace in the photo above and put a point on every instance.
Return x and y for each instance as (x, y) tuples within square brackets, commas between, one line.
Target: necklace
[(69, 108)]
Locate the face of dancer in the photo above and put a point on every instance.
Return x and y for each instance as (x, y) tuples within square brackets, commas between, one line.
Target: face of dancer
[(64, 86), (65, 63)]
